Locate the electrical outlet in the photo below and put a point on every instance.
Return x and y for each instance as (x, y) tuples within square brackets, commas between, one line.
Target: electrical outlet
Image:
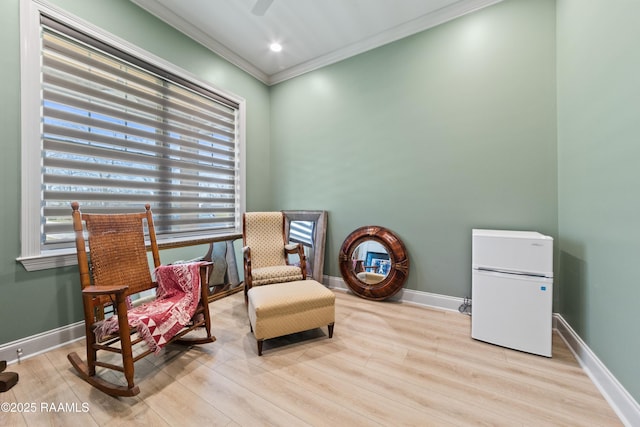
[(20, 352), (465, 307)]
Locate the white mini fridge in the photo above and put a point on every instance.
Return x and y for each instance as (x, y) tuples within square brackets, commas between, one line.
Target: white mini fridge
[(512, 289)]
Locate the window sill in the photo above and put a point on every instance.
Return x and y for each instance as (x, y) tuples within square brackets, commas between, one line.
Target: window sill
[(54, 259), (68, 257)]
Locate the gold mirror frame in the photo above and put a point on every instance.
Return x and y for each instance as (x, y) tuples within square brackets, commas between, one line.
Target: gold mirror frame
[(398, 272)]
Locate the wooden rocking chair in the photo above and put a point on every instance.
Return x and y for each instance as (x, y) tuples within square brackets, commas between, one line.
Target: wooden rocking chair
[(119, 268)]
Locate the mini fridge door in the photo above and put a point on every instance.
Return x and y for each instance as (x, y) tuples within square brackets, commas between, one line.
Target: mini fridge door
[(526, 252), (512, 311)]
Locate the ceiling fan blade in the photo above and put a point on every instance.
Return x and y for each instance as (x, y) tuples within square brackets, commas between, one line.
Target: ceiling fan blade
[(261, 6)]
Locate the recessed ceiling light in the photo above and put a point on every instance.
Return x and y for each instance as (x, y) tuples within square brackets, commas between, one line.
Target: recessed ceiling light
[(275, 47)]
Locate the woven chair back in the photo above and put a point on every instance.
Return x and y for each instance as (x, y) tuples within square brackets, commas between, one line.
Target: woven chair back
[(117, 250)]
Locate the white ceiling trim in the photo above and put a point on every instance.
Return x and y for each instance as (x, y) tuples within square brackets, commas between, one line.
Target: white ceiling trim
[(417, 25), (186, 28), (423, 23)]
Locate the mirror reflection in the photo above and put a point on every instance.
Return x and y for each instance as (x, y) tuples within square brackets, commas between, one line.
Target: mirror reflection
[(371, 262), (309, 229), (302, 232)]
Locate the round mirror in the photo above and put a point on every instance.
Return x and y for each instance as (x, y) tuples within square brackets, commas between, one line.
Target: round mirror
[(370, 262), (373, 262)]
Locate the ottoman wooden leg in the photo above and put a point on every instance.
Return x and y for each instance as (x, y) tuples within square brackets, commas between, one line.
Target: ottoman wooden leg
[(331, 330), (260, 347)]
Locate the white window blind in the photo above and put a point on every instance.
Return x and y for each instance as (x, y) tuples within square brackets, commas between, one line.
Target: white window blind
[(118, 132)]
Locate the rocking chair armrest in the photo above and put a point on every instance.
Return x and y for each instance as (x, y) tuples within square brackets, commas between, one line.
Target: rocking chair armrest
[(105, 290), (203, 265), (203, 262), (205, 272)]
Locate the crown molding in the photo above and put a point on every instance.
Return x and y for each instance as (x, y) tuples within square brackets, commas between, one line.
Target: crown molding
[(170, 18), (415, 26)]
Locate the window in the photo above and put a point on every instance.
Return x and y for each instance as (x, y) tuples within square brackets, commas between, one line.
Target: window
[(117, 129)]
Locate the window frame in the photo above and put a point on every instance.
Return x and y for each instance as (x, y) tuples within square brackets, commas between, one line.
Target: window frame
[(32, 256)]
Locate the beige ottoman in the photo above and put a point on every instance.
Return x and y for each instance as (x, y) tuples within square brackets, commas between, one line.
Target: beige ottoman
[(285, 308)]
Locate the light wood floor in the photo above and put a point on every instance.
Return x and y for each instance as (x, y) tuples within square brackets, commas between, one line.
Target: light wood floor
[(388, 364)]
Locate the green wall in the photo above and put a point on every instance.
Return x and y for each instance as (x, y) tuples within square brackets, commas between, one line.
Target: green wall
[(33, 302), (598, 176), (430, 136), (448, 130)]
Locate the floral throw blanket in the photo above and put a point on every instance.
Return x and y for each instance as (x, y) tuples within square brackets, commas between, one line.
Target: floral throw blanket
[(176, 301)]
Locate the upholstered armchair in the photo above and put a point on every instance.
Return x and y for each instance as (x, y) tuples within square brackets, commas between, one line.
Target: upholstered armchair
[(266, 253)]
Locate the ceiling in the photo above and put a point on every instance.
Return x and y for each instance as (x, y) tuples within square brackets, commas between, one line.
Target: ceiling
[(313, 33)]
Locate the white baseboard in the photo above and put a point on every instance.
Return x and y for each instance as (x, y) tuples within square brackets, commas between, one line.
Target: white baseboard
[(41, 343), (627, 409), (407, 295), (625, 406)]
